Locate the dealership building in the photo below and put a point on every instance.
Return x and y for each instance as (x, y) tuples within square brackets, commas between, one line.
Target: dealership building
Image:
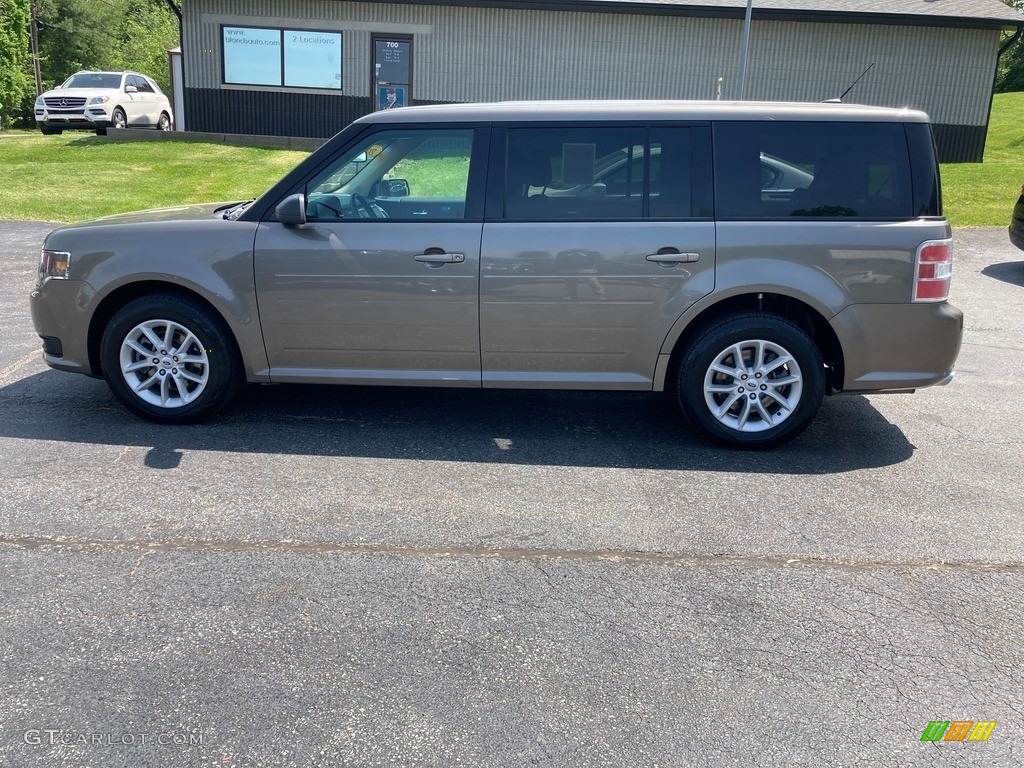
[(309, 67)]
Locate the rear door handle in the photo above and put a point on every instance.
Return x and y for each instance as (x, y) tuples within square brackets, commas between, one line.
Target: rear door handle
[(439, 258), (673, 257)]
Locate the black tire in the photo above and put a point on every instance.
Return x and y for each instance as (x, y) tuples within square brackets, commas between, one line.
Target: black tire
[(51, 131), (118, 119), (101, 131), (207, 367), (163, 123), (768, 423)]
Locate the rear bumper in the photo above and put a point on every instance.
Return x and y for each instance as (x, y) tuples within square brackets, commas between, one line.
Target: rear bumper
[(898, 347)]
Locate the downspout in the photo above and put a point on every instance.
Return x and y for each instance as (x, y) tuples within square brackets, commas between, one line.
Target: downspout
[(1008, 44), (176, 10)]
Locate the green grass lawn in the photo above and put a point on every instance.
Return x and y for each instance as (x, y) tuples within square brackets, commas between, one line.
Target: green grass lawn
[(77, 176), (73, 177), (983, 194)]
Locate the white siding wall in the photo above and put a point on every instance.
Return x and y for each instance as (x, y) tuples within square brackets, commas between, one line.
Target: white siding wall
[(487, 54)]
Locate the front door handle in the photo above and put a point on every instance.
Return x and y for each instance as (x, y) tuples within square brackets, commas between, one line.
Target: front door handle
[(437, 256)]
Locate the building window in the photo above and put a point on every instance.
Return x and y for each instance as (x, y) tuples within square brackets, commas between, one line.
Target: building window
[(292, 58)]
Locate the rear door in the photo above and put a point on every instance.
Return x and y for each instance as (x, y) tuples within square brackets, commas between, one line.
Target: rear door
[(597, 238)]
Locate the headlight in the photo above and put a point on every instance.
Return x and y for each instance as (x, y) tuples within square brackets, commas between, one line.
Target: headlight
[(54, 264), (99, 100), (40, 102)]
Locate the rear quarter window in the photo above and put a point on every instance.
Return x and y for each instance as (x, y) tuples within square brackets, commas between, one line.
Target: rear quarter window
[(812, 170)]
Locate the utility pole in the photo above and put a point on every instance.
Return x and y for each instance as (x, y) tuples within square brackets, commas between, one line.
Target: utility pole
[(34, 30)]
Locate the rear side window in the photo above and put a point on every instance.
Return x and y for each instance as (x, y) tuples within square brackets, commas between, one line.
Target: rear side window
[(804, 170), (604, 173)]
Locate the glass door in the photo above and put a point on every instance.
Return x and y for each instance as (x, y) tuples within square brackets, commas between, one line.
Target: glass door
[(392, 72)]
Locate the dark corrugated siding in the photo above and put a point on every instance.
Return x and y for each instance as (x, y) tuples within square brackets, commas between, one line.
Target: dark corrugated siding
[(960, 143), (271, 113)]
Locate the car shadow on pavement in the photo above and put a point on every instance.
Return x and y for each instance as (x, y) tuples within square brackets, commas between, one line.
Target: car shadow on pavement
[(584, 429), (1007, 271)]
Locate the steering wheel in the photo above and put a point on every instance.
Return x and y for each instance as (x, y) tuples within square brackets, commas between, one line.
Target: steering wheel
[(365, 209)]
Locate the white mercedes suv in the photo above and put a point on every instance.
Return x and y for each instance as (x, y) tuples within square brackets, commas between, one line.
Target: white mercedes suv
[(100, 100)]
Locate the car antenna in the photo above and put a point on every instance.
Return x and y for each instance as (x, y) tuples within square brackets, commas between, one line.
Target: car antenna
[(843, 95)]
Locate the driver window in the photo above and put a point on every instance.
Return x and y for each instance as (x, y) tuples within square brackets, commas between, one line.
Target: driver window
[(417, 175)]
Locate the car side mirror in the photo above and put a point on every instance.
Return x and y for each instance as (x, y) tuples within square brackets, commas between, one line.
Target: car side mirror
[(394, 188), (130, 89), (292, 210)]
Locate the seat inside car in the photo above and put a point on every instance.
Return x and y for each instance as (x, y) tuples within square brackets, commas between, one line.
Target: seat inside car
[(529, 174)]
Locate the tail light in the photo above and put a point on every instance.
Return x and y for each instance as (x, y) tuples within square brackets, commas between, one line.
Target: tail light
[(933, 270)]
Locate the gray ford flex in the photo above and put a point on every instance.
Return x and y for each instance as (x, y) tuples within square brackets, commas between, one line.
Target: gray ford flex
[(749, 258)]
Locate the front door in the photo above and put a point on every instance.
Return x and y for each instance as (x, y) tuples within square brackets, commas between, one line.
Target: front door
[(381, 284), (135, 103)]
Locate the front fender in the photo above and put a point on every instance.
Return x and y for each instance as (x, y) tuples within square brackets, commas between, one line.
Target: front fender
[(212, 260)]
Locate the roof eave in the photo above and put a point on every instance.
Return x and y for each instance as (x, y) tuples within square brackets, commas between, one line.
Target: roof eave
[(698, 11)]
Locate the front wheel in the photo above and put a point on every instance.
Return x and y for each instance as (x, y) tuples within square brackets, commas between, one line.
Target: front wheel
[(751, 380), (118, 119), (169, 359)]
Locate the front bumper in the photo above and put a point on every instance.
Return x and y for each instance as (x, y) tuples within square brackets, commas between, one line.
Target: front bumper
[(59, 321), (64, 122), (88, 117), (898, 347)]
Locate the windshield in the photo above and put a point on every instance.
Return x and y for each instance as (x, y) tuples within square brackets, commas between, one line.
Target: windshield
[(93, 80)]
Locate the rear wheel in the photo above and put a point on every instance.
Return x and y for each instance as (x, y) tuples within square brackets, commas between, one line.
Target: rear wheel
[(164, 123), (751, 380), (169, 359)]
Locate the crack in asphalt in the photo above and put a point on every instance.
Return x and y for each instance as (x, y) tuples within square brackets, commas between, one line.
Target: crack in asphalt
[(73, 544)]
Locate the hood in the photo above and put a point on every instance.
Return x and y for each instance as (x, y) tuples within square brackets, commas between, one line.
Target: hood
[(86, 93), (178, 213)]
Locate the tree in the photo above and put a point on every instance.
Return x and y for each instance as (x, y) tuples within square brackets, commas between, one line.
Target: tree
[(1010, 75), (112, 35), (15, 81), (148, 30)]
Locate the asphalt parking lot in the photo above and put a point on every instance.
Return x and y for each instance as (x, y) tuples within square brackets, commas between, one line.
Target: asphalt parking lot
[(343, 576)]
